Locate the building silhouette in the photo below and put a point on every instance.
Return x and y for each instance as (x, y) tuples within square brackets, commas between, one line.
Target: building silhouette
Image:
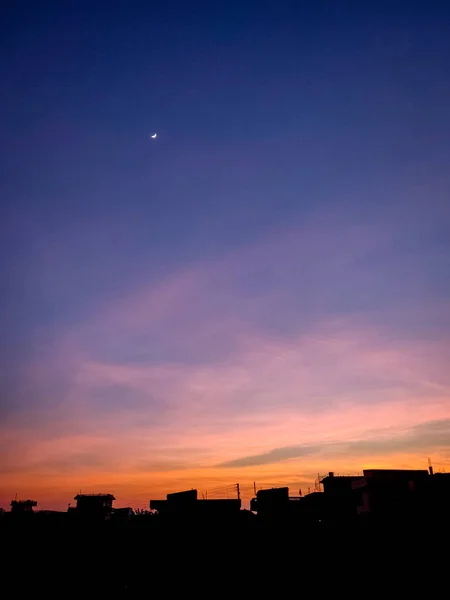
[(23, 506), (185, 507), (274, 506), (96, 507), (389, 493), (340, 499)]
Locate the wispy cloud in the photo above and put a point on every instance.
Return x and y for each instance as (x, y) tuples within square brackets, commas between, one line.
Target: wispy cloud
[(424, 437), (232, 361)]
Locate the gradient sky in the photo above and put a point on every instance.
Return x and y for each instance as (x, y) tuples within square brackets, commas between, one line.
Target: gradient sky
[(260, 294)]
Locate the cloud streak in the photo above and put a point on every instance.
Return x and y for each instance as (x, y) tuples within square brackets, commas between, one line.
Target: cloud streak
[(430, 436)]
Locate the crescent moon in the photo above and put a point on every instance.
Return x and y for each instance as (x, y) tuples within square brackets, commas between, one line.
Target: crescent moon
[(153, 136)]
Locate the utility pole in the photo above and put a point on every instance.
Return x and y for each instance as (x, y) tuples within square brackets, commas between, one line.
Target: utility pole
[(254, 488), (238, 491)]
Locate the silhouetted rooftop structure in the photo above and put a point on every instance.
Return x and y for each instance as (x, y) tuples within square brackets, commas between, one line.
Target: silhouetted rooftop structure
[(122, 514), (388, 492), (186, 505), (104, 496), (274, 505), (338, 485), (97, 506), (182, 498), (391, 474), (269, 500), (23, 506)]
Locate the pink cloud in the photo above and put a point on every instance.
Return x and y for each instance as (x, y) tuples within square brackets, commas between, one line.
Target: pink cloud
[(332, 378), (321, 385)]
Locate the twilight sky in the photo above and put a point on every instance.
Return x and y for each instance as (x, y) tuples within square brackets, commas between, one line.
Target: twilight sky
[(260, 294)]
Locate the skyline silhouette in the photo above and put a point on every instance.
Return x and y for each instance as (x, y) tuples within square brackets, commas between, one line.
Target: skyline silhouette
[(392, 498), (385, 521), (245, 493)]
